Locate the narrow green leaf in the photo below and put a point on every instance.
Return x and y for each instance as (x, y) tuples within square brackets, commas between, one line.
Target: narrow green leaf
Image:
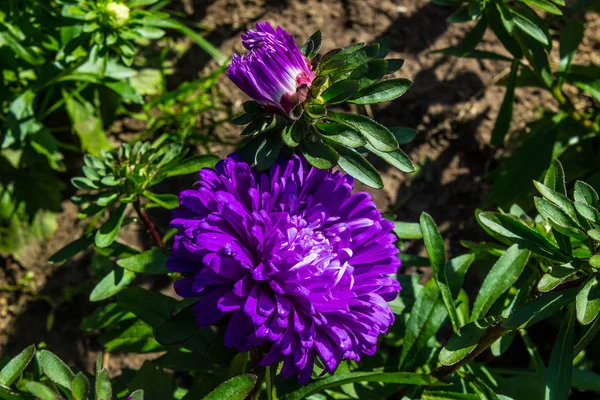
[(178, 328), (555, 177), (465, 341), (151, 262), (437, 256), (396, 158), (558, 219), (56, 369), (587, 337), (504, 118), (382, 91), (588, 301), (292, 134), (587, 212), (319, 154), (165, 200), (586, 194), (190, 165), (110, 229), (404, 378), (236, 388), (377, 135), (531, 24), (103, 386), (429, 312), (340, 91), (407, 230), (557, 198), (517, 232), (539, 309), (115, 281), (15, 367), (357, 166), (80, 386), (560, 367), (544, 5), (403, 135), (553, 278), (501, 277), (267, 152), (341, 134), (536, 360), (42, 391)]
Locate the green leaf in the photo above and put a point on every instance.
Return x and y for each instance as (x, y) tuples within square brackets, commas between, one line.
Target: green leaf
[(110, 229), (153, 262), (429, 312), (137, 395), (587, 212), (586, 194), (267, 152), (437, 256), (531, 24), (115, 281), (319, 154), (316, 111), (103, 386), (553, 278), (465, 341), (168, 201), (340, 91), (357, 166), (587, 337), (314, 42), (460, 15), (555, 178), (341, 134), (588, 301), (504, 118), (236, 388), (56, 369), (84, 183), (80, 386), (539, 309), (544, 5), (87, 123), (558, 375), (501, 277), (396, 158), (403, 135), (190, 165), (561, 200), (378, 135), (42, 391), (517, 232), (570, 38), (404, 378), (558, 219), (292, 134), (382, 91), (15, 367), (407, 230)]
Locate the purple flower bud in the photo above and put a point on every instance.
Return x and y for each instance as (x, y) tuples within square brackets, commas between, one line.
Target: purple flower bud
[(273, 73), (291, 259)]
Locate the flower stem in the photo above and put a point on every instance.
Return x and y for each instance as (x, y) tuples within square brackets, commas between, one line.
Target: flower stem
[(148, 224), (269, 382)]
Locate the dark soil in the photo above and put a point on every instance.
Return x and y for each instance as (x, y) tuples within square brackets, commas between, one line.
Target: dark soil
[(453, 104)]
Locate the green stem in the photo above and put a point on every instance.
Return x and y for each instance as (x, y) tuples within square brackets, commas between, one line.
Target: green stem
[(269, 382)]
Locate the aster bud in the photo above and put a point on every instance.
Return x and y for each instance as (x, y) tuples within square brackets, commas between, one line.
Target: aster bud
[(274, 73), (118, 14), (300, 85)]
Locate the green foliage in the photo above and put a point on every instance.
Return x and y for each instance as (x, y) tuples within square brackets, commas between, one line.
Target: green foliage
[(74, 67), (523, 28), (327, 138), (21, 378)]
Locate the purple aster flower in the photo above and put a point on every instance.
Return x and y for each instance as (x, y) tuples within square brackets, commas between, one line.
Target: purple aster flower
[(273, 73), (291, 257)]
